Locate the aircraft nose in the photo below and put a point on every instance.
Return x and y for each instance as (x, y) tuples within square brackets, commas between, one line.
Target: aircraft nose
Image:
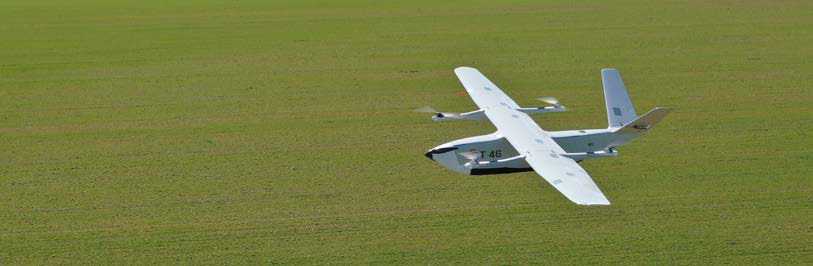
[(439, 151)]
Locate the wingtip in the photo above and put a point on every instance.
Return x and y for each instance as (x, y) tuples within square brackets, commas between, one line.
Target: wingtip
[(464, 68), (598, 201), (608, 70), (606, 203)]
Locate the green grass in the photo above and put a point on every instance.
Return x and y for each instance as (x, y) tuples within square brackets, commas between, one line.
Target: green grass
[(253, 132)]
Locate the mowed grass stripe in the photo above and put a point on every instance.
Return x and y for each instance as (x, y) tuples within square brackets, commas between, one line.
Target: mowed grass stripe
[(283, 132)]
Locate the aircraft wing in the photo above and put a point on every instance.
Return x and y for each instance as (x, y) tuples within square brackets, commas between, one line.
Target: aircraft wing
[(539, 149)]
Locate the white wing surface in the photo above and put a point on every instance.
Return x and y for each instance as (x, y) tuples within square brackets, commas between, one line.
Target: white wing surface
[(541, 152)]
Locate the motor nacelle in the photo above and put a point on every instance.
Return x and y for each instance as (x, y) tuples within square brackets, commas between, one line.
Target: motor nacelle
[(445, 116)]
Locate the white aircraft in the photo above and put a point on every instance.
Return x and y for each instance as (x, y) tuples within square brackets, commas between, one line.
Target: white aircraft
[(520, 145)]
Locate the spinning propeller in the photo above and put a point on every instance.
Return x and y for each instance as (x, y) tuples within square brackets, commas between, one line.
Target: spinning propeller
[(472, 156), (427, 109), (550, 100)]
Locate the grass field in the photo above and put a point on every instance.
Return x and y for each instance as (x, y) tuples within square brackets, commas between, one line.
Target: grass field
[(268, 132)]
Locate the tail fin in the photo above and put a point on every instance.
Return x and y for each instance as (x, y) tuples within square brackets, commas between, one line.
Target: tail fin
[(619, 107)]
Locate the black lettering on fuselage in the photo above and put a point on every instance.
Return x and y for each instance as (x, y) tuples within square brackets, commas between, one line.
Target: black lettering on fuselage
[(491, 154)]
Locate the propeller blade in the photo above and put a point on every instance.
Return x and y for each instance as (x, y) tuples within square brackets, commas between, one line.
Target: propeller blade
[(426, 109), (550, 100), (470, 155)]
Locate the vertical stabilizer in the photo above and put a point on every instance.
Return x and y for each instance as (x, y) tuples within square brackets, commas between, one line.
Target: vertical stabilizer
[(619, 107)]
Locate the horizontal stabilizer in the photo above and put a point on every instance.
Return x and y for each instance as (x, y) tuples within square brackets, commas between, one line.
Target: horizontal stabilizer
[(645, 122)]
